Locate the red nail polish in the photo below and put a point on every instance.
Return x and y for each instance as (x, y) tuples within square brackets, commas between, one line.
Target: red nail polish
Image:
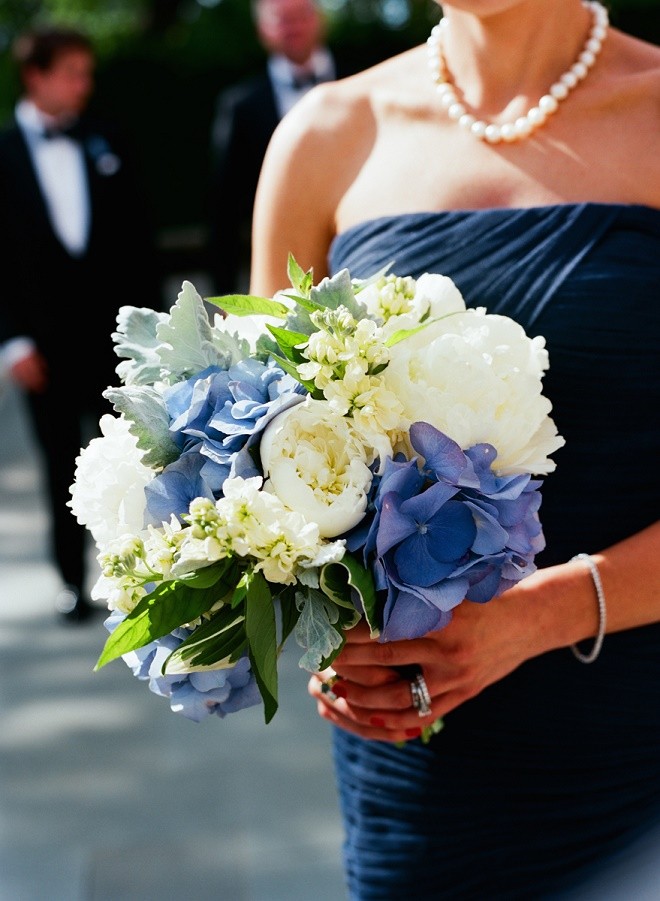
[(377, 721), (339, 690), (413, 733)]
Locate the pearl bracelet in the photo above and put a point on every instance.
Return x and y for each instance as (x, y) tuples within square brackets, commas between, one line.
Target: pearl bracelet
[(602, 612)]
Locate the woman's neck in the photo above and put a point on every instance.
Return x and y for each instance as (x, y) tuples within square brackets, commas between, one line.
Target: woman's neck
[(502, 59)]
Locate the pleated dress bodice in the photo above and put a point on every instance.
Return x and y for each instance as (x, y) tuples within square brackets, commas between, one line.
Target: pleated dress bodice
[(558, 761)]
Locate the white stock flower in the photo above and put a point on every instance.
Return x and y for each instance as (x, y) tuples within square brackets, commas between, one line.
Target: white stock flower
[(318, 465), (388, 296), (116, 595), (403, 302), (250, 522), (373, 408), (107, 495), (340, 343), (477, 377), (124, 573), (291, 541)]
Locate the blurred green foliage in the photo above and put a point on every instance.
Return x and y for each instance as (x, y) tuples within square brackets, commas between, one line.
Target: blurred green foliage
[(163, 62)]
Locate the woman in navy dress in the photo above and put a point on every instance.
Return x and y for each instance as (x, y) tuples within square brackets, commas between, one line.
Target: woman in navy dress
[(548, 212)]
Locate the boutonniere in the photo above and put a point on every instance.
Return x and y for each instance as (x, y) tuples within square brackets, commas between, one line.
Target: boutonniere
[(106, 162)]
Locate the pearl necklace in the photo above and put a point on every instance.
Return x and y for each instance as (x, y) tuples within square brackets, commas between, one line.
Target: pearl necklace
[(547, 104)]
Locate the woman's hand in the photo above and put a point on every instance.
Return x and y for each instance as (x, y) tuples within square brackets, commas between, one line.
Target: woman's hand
[(553, 608), (481, 644)]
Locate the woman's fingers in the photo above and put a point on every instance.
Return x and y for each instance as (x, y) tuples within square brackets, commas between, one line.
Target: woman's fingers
[(382, 723), (393, 693)]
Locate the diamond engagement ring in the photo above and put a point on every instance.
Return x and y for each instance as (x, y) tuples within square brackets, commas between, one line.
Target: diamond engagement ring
[(421, 697)]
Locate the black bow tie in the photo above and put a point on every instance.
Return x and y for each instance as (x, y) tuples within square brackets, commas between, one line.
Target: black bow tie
[(72, 131), (305, 80)]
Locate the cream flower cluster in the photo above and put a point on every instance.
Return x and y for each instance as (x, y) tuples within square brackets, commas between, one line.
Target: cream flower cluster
[(341, 342), (251, 522), (390, 295), (246, 522), (404, 302), (345, 356), (130, 564)]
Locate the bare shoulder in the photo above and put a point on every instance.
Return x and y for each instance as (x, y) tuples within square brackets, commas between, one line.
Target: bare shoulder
[(314, 155), (339, 117)]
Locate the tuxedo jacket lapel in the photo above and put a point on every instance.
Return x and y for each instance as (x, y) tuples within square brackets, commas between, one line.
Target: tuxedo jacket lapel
[(26, 176)]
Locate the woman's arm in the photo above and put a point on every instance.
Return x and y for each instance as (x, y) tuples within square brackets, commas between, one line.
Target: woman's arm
[(553, 608), (312, 160), (294, 206)]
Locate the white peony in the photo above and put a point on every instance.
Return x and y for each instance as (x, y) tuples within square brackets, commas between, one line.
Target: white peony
[(318, 465), (477, 377), (107, 495)]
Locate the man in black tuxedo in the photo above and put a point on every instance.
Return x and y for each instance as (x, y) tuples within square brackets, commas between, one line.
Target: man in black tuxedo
[(77, 241), (293, 33)]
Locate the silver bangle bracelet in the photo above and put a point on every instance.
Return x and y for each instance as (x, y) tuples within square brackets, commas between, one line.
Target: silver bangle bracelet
[(602, 612)]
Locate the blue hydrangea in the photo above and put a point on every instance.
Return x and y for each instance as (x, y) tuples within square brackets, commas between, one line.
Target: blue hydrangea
[(194, 695), (216, 417), (449, 530)]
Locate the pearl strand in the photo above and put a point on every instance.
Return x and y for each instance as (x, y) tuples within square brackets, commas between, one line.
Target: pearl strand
[(548, 104)]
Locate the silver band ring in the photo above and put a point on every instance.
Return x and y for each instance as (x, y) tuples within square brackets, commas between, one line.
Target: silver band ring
[(421, 697)]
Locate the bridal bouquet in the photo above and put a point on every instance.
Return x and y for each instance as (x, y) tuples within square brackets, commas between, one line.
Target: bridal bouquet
[(364, 449)]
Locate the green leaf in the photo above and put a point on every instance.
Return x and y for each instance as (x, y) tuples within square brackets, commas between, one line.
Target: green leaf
[(338, 579), (265, 347), (403, 333), (287, 341), (250, 305), (145, 409), (302, 281), (261, 633), (305, 303), (215, 644), (288, 615), (240, 592), (210, 575), (170, 605), (292, 371)]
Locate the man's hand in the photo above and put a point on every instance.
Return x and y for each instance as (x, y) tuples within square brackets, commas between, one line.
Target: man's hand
[(30, 372)]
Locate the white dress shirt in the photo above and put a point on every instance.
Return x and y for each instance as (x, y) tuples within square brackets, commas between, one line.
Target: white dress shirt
[(60, 167)]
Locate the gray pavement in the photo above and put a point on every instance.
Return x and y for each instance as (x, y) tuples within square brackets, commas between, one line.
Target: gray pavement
[(105, 794)]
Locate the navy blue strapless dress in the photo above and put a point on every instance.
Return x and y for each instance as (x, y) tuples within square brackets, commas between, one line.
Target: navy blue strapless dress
[(553, 769)]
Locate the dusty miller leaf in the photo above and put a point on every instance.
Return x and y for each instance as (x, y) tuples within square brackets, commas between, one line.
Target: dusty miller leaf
[(314, 630), (188, 344), (136, 341), (145, 409)]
